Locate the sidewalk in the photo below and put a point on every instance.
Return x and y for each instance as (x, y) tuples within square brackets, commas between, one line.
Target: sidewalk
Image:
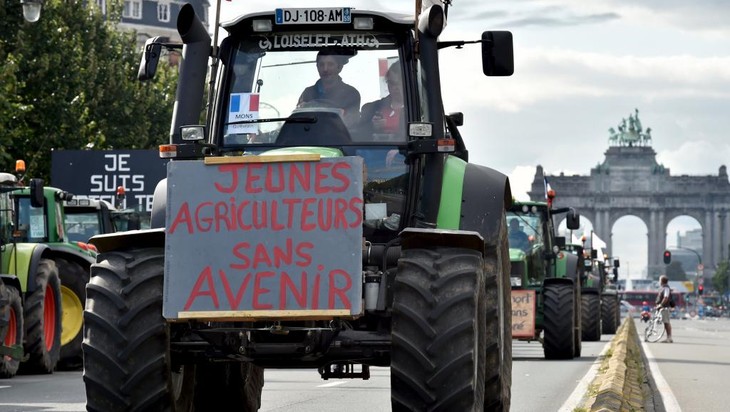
[(695, 367)]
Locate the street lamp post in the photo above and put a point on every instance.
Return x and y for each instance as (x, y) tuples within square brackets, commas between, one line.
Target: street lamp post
[(31, 10)]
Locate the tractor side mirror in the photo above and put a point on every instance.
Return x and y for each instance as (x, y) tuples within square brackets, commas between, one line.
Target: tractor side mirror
[(616, 263), (457, 118), (572, 220), (497, 53), (36, 193)]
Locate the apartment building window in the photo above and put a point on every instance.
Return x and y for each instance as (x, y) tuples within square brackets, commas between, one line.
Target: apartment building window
[(132, 9), (163, 11)]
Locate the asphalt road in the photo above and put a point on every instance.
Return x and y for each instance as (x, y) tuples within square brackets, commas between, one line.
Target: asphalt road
[(537, 385)]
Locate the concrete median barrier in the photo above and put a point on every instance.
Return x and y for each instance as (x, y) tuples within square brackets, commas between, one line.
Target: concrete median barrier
[(621, 383)]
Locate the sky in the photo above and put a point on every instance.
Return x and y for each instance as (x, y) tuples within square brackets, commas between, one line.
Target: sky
[(580, 68)]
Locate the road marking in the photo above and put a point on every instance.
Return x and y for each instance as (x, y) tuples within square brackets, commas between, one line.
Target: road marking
[(4, 386), (662, 387), (575, 398), (49, 407), (331, 384)]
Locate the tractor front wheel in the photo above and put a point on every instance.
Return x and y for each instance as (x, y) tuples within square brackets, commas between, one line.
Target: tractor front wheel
[(558, 304), (219, 385), (73, 296), (127, 363), (11, 332), (610, 313), (438, 355), (591, 317), (42, 313)]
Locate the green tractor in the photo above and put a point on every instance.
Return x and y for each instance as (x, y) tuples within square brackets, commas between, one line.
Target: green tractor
[(42, 230), (292, 231), (599, 298), (30, 288), (546, 291)]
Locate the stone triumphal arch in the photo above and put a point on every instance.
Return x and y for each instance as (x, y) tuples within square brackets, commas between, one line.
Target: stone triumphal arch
[(631, 182)]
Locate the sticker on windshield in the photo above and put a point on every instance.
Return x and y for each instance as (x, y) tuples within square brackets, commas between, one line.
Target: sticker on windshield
[(243, 107), (313, 16), (300, 40)]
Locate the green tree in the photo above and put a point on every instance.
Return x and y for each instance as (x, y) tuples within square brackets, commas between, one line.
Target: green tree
[(71, 84), (675, 271), (720, 280)]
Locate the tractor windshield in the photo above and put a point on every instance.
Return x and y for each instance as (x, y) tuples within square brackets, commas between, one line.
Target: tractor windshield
[(313, 89), (31, 222), (525, 230), (340, 90), (6, 216)]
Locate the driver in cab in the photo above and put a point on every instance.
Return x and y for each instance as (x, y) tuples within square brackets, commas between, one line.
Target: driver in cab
[(330, 90), (517, 238)]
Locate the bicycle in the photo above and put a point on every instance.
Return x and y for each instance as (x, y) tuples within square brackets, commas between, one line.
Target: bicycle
[(655, 329)]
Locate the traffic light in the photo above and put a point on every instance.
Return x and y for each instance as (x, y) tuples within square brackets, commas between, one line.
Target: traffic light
[(667, 257), (700, 289)]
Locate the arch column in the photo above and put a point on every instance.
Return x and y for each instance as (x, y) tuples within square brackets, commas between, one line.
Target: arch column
[(709, 231), (657, 238)]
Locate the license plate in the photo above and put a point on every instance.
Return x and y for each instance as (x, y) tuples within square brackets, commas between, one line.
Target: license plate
[(515, 281), (314, 16)]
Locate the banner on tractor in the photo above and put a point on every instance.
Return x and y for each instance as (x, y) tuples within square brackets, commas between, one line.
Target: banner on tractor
[(252, 239), (523, 313)]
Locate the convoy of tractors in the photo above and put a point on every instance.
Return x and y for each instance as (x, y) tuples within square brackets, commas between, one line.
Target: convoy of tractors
[(305, 241)]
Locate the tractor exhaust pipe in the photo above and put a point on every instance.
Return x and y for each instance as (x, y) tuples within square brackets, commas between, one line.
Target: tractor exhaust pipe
[(193, 70)]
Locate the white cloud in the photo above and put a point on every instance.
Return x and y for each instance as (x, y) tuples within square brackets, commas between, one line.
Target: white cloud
[(693, 157)]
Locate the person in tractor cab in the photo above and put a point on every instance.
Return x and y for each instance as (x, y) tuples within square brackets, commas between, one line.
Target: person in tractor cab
[(330, 90), (518, 239), (386, 116)]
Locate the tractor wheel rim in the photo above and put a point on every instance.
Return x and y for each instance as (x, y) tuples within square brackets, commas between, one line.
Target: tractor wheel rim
[(49, 318), (72, 315), (11, 337)]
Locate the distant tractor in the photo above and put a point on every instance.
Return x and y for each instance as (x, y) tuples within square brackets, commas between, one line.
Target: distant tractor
[(41, 230), (546, 291), (30, 288), (599, 296)]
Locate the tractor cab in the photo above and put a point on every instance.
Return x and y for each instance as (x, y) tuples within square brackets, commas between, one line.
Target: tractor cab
[(337, 88)]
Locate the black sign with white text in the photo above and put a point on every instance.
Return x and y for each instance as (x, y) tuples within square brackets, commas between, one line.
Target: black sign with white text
[(96, 174)]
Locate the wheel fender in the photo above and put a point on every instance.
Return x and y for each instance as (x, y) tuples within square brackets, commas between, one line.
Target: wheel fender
[(138, 238), (413, 238), (571, 265), (70, 253), (159, 203), (485, 197), (11, 281), (557, 281), (28, 257)]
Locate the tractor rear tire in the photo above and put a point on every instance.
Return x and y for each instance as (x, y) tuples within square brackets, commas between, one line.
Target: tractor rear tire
[(591, 317), (577, 329), (558, 308), (127, 364), (11, 328), (42, 314), (610, 313), (497, 393), (220, 385), (439, 333), (73, 295)]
